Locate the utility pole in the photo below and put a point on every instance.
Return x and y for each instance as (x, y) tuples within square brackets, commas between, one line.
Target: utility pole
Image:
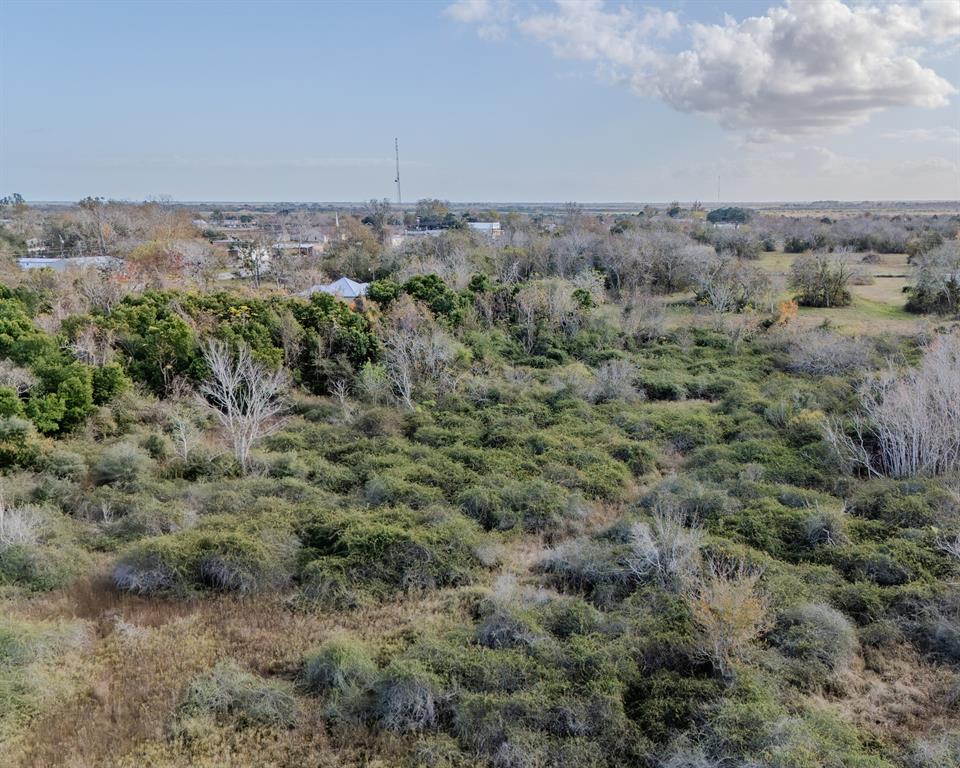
[(396, 147)]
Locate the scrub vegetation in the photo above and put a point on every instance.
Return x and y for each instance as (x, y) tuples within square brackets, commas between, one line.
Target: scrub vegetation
[(601, 491)]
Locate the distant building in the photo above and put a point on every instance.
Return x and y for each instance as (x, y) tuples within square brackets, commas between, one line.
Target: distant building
[(304, 249), (344, 288), (489, 228), (75, 262)]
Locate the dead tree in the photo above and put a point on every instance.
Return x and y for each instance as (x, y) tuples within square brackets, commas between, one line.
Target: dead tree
[(246, 395)]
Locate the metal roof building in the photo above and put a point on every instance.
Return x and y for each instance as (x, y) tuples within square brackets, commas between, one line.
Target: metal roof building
[(345, 288)]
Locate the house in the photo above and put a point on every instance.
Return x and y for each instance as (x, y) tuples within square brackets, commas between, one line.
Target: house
[(344, 288)]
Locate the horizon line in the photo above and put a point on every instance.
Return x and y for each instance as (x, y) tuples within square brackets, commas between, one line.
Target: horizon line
[(211, 201)]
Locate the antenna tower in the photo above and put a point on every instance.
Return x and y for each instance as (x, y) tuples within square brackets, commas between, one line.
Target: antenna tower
[(396, 147)]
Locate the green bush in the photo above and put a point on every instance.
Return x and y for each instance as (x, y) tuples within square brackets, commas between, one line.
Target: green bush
[(65, 464), (19, 446), (215, 556), (475, 667), (10, 404), (39, 567), (665, 701), (664, 386), (341, 662), (386, 551), (109, 381), (819, 640), (905, 503), (235, 697), (122, 465), (597, 568), (504, 624), (406, 697), (532, 505), (564, 618)]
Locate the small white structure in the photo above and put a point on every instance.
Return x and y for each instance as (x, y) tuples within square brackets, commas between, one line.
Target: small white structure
[(489, 228), (344, 288)]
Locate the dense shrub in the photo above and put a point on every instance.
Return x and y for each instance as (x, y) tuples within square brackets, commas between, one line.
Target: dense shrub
[(406, 697), (505, 624), (235, 697), (532, 505), (341, 662), (122, 465), (215, 557), (821, 281), (597, 568), (389, 551), (18, 442), (823, 353), (818, 639), (936, 280)]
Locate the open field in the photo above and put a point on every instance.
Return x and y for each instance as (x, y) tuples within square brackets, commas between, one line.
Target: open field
[(877, 307)]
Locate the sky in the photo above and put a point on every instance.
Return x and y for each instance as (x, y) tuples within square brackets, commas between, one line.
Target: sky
[(492, 100)]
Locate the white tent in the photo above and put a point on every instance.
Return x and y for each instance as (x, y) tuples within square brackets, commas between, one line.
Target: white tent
[(345, 288)]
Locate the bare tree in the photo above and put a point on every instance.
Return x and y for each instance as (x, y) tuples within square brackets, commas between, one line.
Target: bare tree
[(99, 288), (915, 417), (729, 284), (416, 352), (184, 433), (666, 550), (340, 389), (18, 525), (615, 380), (936, 280), (94, 209), (529, 300), (93, 345), (19, 379), (245, 394), (823, 353), (950, 546)]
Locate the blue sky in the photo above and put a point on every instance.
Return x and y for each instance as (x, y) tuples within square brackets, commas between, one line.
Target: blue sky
[(492, 100)]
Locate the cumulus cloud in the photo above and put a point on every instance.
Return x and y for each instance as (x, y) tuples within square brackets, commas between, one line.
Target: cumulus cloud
[(801, 68)]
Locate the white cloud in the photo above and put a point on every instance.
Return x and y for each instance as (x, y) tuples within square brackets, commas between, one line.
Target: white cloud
[(469, 11), (490, 16), (801, 68), (940, 133), (927, 166), (583, 29)]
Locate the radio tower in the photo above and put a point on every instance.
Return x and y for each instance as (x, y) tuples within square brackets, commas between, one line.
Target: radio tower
[(396, 147)]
